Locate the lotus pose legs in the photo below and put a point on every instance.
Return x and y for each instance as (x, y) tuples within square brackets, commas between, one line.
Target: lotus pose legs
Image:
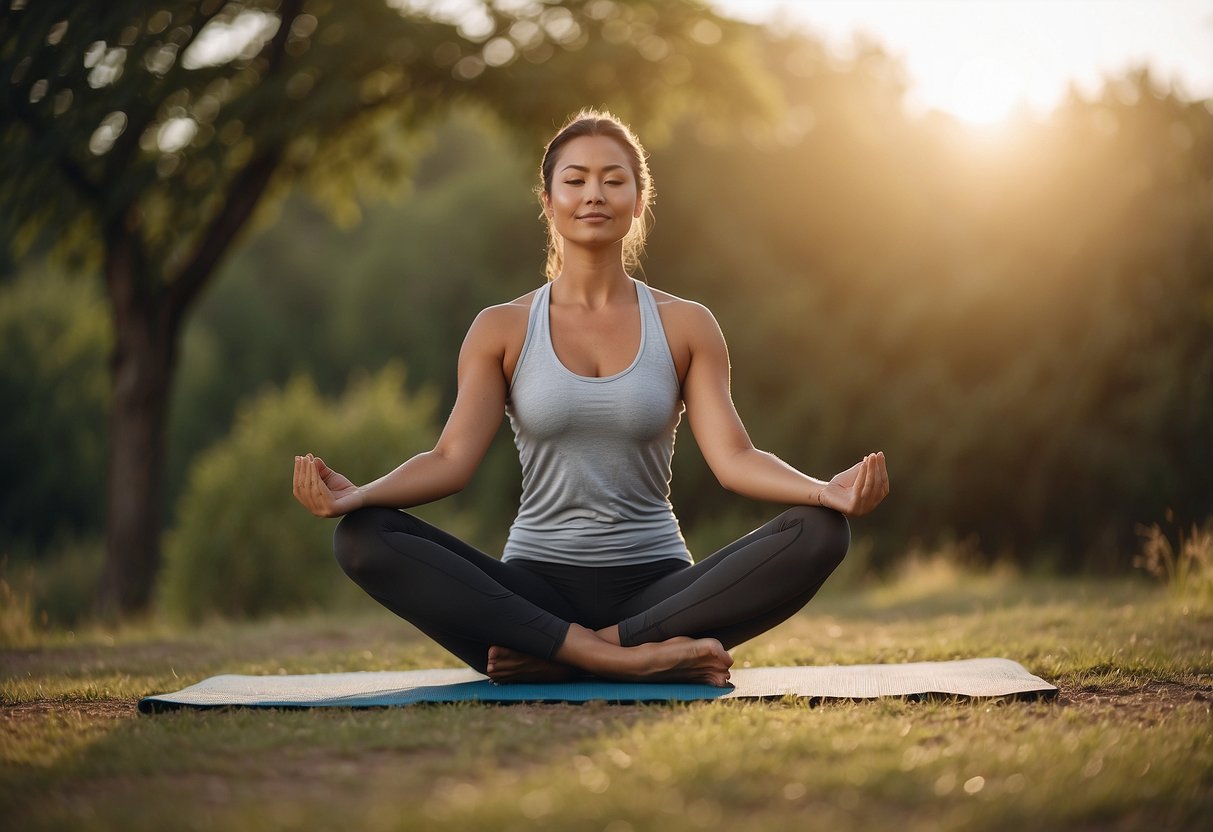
[(594, 371)]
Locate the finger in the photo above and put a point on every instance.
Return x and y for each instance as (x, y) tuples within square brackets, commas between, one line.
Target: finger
[(320, 491), (884, 475), (295, 479), (309, 476), (307, 494), (873, 495), (314, 474), (301, 480), (861, 483), (869, 486)]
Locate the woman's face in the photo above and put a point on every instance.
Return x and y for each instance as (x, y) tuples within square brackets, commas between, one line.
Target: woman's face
[(594, 195)]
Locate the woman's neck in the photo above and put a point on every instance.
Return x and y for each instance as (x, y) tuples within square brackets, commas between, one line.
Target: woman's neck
[(593, 277)]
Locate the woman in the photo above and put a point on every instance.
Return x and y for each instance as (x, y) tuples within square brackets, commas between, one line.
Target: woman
[(593, 370)]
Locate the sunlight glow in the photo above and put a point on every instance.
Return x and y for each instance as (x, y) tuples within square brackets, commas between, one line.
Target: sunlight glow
[(982, 60), (221, 42), (982, 92)]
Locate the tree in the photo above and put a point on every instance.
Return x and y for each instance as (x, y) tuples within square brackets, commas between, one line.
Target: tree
[(142, 138)]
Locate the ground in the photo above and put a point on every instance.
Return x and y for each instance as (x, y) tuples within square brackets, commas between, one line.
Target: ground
[(1128, 742)]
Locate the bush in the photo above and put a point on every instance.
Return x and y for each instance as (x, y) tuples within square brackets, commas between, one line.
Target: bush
[(55, 340), (242, 546), (55, 584)]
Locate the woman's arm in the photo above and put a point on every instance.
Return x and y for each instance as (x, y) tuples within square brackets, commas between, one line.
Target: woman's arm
[(737, 464), (445, 470)]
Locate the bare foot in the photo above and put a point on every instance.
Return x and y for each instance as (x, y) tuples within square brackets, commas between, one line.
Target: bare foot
[(694, 660), (506, 665), (682, 659)]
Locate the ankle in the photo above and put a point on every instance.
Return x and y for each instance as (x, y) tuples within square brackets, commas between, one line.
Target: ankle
[(610, 634)]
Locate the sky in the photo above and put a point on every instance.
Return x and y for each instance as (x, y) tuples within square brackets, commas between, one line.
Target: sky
[(979, 59)]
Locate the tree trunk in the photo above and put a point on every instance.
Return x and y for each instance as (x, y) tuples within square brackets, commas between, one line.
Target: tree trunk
[(145, 340)]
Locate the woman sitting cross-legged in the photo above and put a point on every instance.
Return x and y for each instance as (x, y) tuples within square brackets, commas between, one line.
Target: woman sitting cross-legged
[(594, 370)]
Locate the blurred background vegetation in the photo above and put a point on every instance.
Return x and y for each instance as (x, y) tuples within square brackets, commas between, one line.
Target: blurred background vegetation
[(1021, 320)]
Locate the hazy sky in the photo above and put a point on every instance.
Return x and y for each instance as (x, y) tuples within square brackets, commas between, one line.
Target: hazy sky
[(978, 58)]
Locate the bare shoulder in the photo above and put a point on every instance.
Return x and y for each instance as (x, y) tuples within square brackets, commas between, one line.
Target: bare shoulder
[(499, 331), (499, 323), (685, 319)]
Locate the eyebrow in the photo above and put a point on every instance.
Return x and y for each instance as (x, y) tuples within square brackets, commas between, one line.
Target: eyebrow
[(587, 170)]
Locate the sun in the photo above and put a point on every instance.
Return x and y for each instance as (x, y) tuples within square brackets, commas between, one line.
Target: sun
[(981, 92)]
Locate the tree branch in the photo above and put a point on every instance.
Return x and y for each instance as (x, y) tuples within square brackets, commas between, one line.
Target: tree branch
[(120, 155), (72, 171), (246, 191)]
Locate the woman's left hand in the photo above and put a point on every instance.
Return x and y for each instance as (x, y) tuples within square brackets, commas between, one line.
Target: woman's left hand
[(859, 489), (323, 491)]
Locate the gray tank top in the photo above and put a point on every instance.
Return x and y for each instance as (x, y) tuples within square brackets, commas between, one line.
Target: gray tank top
[(595, 452)]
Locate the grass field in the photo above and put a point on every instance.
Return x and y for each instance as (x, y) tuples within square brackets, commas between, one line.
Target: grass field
[(1128, 743)]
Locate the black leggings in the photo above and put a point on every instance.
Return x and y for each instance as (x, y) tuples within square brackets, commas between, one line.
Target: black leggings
[(466, 600)]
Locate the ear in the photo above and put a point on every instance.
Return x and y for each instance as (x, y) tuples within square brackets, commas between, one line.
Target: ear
[(547, 204), (639, 207)]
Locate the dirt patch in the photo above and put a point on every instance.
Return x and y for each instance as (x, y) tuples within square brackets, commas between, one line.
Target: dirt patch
[(1149, 702), (96, 708)]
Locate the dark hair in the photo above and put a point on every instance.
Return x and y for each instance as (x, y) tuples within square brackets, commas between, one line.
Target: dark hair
[(591, 122)]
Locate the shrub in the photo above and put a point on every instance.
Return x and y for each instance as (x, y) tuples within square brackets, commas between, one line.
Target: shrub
[(54, 384), (56, 583), (242, 546)]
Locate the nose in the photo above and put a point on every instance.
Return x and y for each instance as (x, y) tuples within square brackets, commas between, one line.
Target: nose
[(593, 195)]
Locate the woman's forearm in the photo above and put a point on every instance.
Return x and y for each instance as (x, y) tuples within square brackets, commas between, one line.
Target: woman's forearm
[(421, 479), (760, 475)]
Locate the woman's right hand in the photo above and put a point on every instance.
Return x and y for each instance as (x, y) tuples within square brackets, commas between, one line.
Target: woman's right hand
[(859, 489), (323, 491)]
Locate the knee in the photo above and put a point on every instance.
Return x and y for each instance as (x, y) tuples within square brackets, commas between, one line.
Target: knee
[(824, 532), (354, 540)]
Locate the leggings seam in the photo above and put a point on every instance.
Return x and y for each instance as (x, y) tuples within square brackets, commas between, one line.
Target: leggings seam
[(660, 626)]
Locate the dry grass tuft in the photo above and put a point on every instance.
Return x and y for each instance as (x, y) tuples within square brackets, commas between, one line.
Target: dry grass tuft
[(1186, 566)]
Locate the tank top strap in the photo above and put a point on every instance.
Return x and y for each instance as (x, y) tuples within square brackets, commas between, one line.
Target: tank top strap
[(537, 323), (656, 345), (536, 331), (649, 303)]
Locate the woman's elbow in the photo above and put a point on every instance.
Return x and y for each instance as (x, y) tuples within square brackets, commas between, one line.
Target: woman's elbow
[(727, 479), (729, 470), (456, 470)]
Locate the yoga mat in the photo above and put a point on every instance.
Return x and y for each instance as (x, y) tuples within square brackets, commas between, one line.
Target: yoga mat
[(968, 677)]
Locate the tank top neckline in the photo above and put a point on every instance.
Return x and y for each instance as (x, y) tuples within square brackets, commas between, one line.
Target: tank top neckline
[(545, 317)]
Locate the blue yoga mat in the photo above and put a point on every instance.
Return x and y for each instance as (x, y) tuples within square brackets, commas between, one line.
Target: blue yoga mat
[(987, 677)]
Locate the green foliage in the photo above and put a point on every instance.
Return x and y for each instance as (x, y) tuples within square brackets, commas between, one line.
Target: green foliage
[(54, 343), (51, 588), (1037, 381), (168, 119), (242, 545), (1025, 327), (1023, 323), (143, 138), (406, 282)]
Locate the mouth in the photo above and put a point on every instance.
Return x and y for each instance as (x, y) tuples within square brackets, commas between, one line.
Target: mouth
[(593, 216)]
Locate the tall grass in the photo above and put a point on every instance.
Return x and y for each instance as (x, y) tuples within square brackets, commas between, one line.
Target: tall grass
[(16, 617), (1185, 566)]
